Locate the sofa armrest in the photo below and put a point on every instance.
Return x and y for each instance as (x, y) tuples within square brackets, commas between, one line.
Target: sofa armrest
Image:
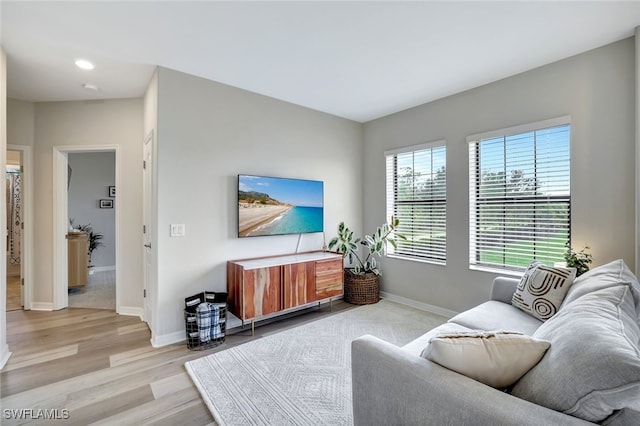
[(392, 386), (503, 288)]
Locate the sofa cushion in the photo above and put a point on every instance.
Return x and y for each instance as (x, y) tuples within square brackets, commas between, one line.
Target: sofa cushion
[(542, 290), (605, 276), (493, 315), (624, 417), (495, 358), (593, 365)]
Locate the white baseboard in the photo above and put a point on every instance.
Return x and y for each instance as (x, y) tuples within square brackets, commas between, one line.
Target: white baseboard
[(104, 268), (132, 311), (179, 336), (41, 306), (168, 339), (5, 356), (419, 305)]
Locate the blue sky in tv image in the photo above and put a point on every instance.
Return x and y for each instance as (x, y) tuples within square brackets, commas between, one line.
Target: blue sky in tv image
[(297, 192)]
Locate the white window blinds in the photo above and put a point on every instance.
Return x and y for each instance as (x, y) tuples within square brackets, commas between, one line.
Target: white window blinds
[(520, 198), (417, 196)]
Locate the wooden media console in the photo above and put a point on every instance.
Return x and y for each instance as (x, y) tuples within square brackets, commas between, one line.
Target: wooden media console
[(263, 287)]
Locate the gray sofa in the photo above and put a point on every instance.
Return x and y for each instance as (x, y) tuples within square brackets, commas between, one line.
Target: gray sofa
[(395, 385)]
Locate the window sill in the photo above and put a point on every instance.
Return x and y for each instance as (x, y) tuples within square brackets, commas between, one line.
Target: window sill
[(416, 259), (508, 272)]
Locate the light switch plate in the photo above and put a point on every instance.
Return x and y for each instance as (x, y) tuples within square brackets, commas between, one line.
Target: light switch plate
[(177, 229)]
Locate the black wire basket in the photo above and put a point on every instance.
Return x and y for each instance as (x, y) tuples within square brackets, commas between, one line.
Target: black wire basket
[(207, 329)]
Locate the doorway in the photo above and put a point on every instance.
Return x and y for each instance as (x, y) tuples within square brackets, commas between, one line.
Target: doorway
[(18, 242), (85, 185), (91, 239), (15, 226)]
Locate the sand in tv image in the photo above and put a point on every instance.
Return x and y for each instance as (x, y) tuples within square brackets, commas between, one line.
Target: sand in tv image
[(276, 206)]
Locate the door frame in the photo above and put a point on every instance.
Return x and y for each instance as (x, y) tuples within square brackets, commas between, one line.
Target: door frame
[(26, 261), (61, 219)]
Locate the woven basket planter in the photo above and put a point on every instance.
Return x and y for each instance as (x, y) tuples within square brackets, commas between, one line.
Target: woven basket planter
[(361, 289)]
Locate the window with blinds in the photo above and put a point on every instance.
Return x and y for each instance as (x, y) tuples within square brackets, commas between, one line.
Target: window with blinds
[(417, 196), (520, 198)]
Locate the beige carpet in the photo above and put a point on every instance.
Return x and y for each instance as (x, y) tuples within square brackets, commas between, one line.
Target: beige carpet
[(300, 376), (100, 294)]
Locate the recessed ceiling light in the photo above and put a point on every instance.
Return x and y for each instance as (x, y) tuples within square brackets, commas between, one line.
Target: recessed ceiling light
[(84, 64), (90, 87)]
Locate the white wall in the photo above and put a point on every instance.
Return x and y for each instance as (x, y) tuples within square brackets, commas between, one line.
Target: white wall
[(111, 122), (92, 174), (150, 101), (637, 117), (595, 88), (21, 118), (13, 158), (4, 349), (208, 133)]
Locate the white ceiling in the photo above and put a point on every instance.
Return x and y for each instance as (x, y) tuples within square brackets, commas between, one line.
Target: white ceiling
[(359, 60)]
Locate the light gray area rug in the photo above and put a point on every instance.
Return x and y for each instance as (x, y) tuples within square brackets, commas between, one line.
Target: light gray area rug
[(100, 292), (300, 376)]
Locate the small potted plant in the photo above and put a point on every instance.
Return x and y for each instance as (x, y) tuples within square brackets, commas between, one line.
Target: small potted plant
[(362, 281), (579, 260), (94, 240)]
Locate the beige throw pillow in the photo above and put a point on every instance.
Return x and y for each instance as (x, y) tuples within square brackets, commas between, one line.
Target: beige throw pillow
[(495, 358), (542, 289)]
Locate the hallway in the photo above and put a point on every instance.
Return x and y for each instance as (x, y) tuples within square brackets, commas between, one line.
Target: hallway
[(99, 294)]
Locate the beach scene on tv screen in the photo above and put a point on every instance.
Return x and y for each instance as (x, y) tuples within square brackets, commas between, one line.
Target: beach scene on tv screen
[(276, 206)]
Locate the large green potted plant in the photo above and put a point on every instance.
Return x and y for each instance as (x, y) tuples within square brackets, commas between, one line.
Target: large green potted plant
[(362, 281)]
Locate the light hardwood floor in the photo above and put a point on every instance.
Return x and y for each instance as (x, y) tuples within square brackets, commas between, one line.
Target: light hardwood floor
[(13, 293), (101, 368)]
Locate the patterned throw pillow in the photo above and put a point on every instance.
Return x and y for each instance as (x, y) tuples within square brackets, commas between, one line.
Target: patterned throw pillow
[(542, 290)]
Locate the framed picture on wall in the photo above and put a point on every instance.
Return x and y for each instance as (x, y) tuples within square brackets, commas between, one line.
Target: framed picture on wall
[(112, 191), (106, 204)]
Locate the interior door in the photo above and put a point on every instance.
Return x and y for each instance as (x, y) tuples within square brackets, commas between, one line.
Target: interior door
[(147, 227), (60, 229)]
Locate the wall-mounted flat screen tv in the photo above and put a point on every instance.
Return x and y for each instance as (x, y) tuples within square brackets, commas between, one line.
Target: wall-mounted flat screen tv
[(277, 206)]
